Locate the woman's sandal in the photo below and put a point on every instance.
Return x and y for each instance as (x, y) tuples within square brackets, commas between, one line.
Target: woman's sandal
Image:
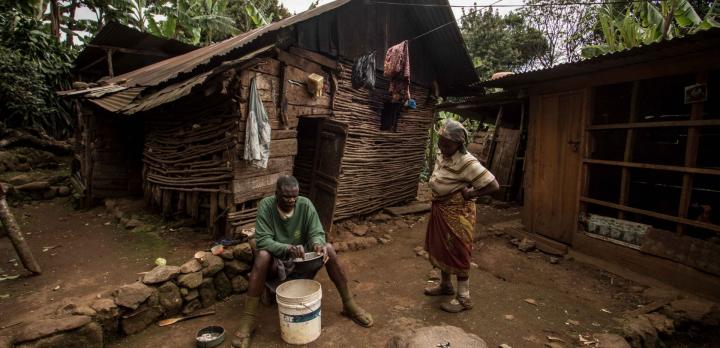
[(358, 317), (439, 290)]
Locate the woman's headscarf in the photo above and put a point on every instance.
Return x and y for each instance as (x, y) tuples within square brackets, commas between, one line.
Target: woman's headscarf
[(455, 131)]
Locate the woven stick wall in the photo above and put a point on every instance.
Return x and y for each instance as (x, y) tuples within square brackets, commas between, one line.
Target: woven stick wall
[(187, 155), (379, 168)]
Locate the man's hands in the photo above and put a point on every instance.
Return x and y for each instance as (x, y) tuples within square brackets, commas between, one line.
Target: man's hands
[(296, 251), (322, 250)]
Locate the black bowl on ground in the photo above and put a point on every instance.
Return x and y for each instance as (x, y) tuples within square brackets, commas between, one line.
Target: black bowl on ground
[(211, 336)]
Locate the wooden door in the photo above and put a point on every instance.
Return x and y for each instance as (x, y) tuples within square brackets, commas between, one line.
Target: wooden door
[(503, 159), (554, 164), (329, 150)]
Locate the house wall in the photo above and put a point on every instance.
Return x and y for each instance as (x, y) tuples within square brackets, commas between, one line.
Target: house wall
[(379, 168), (563, 186)]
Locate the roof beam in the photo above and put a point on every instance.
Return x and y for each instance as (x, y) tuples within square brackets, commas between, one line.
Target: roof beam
[(130, 50)]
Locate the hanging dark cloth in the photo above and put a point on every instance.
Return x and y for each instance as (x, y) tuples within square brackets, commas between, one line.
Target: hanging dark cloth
[(397, 68), (363, 71)]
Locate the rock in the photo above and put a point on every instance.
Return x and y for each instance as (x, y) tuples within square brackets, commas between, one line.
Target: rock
[(515, 241), (191, 295), (211, 265), (192, 306), (360, 230), (184, 292), (63, 191), (227, 254), (640, 332), (87, 336), (240, 284), (132, 223), (161, 274), (694, 311), (107, 314), (341, 247), (46, 327), (222, 286), (661, 323), (504, 345), (130, 296), (170, 299), (450, 336), (110, 204), (190, 266), (401, 224), (5, 341), (418, 249), (636, 289), (554, 260), (606, 340), (509, 317), (370, 241), (190, 280), (208, 295), (74, 308), (49, 193), (237, 267), (526, 245), (243, 252), (21, 179), (139, 319), (382, 217)]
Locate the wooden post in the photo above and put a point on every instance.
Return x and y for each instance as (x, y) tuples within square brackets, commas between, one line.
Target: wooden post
[(691, 150), (13, 232), (629, 148), (110, 63)]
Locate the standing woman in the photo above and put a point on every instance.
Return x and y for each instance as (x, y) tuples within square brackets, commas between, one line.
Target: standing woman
[(458, 178)]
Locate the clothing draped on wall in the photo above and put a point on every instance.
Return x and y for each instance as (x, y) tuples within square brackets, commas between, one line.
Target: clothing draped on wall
[(257, 132)]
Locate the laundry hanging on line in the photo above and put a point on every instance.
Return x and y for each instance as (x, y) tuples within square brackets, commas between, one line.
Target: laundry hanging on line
[(363, 71), (397, 68)]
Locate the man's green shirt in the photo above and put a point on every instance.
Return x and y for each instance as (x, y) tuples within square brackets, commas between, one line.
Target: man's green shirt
[(276, 235)]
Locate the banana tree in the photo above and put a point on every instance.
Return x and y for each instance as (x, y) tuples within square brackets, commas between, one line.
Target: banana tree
[(645, 22)]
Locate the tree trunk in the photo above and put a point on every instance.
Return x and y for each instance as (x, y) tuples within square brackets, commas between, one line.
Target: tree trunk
[(55, 19), (71, 24), (18, 241)]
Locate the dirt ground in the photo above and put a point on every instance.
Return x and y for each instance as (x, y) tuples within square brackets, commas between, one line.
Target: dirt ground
[(96, 255)]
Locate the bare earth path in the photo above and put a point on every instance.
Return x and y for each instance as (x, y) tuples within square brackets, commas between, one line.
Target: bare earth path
[(388, 281)]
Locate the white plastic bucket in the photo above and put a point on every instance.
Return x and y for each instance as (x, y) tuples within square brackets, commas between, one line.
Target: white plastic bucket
[(299, 309)]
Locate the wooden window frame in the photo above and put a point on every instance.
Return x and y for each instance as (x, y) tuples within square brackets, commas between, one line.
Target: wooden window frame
[(688, 169)]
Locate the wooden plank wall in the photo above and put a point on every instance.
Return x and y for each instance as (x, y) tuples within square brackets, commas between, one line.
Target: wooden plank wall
[(380, 168)]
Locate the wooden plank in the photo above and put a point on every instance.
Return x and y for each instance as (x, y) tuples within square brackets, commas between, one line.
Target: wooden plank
[(691, 153), (299, 62), (706, 171), (275, 165), (415, 208), (301, 111), (249, 184), (636, 125), (715, 228), (629, 148), (295, 91), (315, 57), (503, 158)]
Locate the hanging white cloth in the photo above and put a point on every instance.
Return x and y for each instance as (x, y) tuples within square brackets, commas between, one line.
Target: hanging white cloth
[(257, 132)]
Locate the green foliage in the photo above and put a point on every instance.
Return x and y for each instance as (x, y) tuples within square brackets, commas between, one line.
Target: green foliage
[(642, 23), (501, 43), (567, 25), (32, 66), (249, 15)]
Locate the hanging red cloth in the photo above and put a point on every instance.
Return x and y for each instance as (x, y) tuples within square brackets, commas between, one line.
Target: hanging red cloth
[(397, 68)]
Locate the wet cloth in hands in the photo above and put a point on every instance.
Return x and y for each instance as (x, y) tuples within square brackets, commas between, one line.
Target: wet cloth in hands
[(257, 132), (397, 68)]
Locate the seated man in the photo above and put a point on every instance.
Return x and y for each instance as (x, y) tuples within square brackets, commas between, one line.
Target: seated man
[(286, 226)]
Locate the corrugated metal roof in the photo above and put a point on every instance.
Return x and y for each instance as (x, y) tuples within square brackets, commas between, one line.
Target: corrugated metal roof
[(117, 101), (445, 46), (155, 74), (149, 49), (704, 40)]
